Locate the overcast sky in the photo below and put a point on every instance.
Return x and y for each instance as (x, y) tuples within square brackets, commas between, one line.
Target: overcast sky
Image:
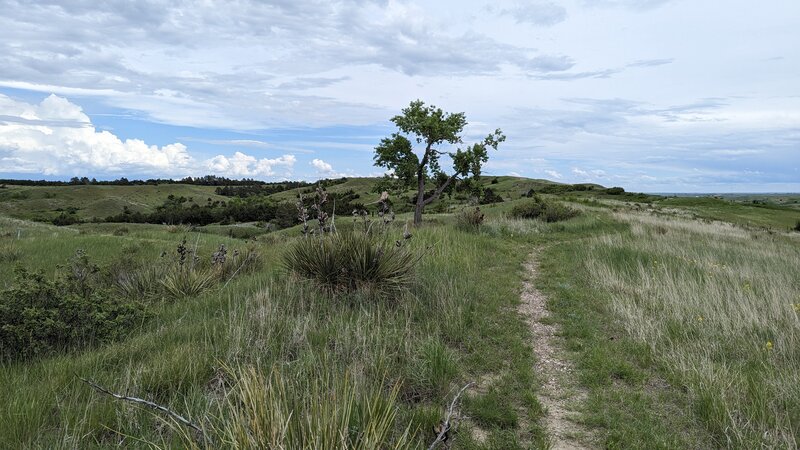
[(651, 95)]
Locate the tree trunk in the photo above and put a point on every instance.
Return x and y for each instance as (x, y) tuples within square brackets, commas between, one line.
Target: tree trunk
[(420, 198)]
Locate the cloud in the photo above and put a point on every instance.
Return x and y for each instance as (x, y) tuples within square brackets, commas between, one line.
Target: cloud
[(55, 137), (580, 172), (651, 62), (322, 166), (550, 63), (536, 13), (636, 5), (553, 174), (241, 165), (248, 67)]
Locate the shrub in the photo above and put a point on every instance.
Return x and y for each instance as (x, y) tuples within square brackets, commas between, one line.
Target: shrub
[(797, 226), (347, 262), (469, 219), (615, 191), (184, 281), (545, 210), (490, 197), (65, 219), (39, 316)]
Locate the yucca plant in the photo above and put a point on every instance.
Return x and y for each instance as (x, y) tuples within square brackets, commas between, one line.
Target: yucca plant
[(187, 282), (347, 262)]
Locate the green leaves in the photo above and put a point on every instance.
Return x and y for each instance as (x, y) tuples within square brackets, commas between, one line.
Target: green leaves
[(395, 153), (430, 124), (432, 127)]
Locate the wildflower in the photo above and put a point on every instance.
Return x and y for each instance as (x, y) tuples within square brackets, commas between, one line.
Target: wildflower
[(699, 318), (796, 307), (768, 346)]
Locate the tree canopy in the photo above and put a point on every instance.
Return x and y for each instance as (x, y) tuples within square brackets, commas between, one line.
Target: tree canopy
[(431, 128)]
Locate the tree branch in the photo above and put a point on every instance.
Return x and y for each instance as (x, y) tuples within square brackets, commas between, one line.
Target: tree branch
[(144, 402), (446, 424), (439, 190)]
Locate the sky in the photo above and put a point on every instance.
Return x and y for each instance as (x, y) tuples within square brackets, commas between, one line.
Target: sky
[(651, 95)]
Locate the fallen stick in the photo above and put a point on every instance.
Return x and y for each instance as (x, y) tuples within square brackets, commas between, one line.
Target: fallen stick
[(144, 402), (446, 424)]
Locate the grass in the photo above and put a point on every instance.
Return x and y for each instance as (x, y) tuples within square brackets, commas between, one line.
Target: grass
[(781, 217), (386, 368), (46, 202), (683, 330)]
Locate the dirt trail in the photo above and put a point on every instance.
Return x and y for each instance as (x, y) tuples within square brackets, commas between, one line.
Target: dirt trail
[(560, 393)]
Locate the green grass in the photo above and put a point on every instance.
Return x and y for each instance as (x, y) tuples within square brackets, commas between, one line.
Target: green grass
[(266, 329), (685, 332), (45, 202), (627, 283), (767, 215)]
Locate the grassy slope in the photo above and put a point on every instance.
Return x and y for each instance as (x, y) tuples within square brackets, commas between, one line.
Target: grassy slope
[(459, 325), (781, 217), (455, 326), (33, 202)]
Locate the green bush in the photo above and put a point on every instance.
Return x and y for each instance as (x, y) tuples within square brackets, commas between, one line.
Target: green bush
[(39, 316), (348, 262), (548, 211), (489, 197), (469, 219)]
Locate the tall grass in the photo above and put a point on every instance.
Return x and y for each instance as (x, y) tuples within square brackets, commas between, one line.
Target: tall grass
[(718, 307), (311, 410), (356, 374)]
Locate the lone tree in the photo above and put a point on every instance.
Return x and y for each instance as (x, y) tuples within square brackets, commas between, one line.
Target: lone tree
[(431, 127)]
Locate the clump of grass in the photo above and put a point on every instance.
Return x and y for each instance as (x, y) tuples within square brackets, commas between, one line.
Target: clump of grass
[(313, 411), (546, 210), (797, 226), (348, 262), (142, 282), (469, 219), (179, 228), (9, 252)]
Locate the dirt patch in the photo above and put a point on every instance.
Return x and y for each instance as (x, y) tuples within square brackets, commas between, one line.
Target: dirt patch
[(560, 392)]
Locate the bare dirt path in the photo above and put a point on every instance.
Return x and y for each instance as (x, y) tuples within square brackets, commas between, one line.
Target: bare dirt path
[(560, 393)]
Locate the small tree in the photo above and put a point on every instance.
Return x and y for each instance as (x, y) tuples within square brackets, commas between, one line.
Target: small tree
[(432, 127)]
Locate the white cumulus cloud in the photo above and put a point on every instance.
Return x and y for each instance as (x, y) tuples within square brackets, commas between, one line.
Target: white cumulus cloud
[(322, 166), (55, 137)]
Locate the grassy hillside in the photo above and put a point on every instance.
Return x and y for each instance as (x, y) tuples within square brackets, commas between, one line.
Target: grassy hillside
[(47, 202), (683, 330), (757, 215)]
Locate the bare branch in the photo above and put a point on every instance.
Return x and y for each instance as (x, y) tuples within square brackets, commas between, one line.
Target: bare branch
[(446, 424), (144, 402)]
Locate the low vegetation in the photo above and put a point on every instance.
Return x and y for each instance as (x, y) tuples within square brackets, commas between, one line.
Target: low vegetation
[(353, 261), (349, 329), (546, 210)]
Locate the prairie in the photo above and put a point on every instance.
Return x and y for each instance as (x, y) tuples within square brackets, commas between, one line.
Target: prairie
[(680, 317)]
